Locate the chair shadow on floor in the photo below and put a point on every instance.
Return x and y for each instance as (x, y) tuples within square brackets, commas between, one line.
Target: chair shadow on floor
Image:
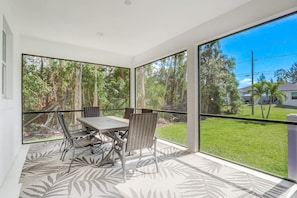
[(181, 174)]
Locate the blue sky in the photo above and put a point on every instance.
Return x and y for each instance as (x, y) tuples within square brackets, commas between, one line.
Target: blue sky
[(274, 45)]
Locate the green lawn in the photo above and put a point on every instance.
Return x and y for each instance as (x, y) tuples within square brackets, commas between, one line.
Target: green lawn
[(276, 112), (263, 146), (174, 132), (256, 144)]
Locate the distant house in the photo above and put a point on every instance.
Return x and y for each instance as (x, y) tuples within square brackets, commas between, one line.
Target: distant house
[(246, 97), (291, 91)]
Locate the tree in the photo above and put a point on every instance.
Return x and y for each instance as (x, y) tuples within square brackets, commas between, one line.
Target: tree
[(77, 90), (258, 90), (287, 76), (292, 74), (270, 90), (261, 77), (217, 79), (274, 94), (95, 92), (50, 82), (162, 84), (281, 75), (233, 93)]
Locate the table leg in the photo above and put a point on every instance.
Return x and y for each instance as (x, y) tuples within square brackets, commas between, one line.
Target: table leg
[(109, 158)]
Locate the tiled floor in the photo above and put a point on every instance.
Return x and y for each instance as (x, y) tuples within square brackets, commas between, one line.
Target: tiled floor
[(11, 187)]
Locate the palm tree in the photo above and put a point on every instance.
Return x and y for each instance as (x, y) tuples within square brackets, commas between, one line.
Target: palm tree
[(257, 91), (274, 93)]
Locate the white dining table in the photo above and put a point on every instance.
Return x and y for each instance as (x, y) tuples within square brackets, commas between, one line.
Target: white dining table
[(109, 126), (105, 124)]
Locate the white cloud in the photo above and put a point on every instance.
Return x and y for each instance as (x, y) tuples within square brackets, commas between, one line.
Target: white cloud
[(245, 82)]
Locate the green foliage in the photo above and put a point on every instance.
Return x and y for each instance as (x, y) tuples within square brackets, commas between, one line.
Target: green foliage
[(218, 84), (163, 83), (261, 78), (51, 82), (271, 91), (287, 76)]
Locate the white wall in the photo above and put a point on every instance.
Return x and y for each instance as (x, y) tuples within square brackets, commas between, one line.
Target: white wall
[(289, 100), (53, 49), (10, 109)]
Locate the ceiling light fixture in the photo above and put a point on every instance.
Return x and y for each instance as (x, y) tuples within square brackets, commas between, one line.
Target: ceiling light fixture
[(127, 2)]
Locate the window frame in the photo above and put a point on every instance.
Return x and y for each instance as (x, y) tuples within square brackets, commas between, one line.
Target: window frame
[(204, 115), (7, 88), (4, 64), (294, 95)]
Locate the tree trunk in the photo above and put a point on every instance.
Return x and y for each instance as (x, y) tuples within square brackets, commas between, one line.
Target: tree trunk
[(122, 73), (173, 86), (54, 84), (77, 92), (268, 112), (262, 110), (142, 91), (95, 97), (183, 87)]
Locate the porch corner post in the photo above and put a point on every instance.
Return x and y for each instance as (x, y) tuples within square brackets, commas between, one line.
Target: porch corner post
[(292, 148), (192, 99)]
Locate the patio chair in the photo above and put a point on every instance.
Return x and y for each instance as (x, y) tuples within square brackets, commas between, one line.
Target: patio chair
[(91, 111), (141, 135), (83, 140), (146, 111), (78, 130), (128, 112)]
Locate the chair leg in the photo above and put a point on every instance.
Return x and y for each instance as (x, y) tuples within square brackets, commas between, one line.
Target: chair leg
[(102, 154), (73, 153), (65, 152), (140, 154), (64, 149), (62, 145), (92, 149), (124, 161), (61, 158), (113, 152)]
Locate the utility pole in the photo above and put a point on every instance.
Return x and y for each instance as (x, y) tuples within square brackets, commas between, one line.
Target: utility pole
[(252, 95)]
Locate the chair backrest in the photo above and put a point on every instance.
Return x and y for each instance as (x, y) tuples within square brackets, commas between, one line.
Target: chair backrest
[(128, 112), (141, 132), (146, 111), (65, 128), (91, 111)]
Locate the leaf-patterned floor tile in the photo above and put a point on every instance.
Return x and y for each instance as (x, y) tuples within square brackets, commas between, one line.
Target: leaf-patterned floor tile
[(181, 174)]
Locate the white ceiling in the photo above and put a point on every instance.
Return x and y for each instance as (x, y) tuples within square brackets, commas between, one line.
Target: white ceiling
[(127, 29)]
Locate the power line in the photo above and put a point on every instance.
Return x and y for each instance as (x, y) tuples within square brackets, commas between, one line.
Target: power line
[(255, 73), (279, 56), (267, 57)]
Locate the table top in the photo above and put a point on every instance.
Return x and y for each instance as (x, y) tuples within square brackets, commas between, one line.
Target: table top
[(105, 123)]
